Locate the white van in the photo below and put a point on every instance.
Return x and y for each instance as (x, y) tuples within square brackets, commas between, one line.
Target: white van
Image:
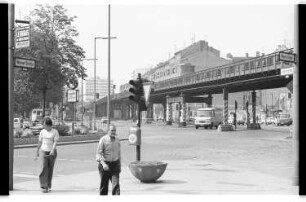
[(208, 117)]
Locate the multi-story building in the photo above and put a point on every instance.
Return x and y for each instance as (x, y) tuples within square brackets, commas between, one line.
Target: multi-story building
[(101, 88), (196, 57)]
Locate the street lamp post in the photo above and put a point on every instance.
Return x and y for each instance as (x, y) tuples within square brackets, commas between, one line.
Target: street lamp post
[(108, 97), (82, 100)]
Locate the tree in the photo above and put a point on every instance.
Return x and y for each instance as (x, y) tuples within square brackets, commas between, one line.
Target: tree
[(58, 58), (24, 98)]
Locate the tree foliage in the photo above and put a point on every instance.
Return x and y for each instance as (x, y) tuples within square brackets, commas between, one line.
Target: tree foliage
[(58, 57)]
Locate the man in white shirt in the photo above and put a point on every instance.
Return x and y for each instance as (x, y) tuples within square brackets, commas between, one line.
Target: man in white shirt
[(109, 157)]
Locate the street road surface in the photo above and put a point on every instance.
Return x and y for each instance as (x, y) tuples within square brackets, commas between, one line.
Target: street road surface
[(267, 151)]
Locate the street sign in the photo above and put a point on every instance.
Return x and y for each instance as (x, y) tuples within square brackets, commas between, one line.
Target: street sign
[(22, 37), (287, 57), (72, 96), (24, 63), (287, 71)]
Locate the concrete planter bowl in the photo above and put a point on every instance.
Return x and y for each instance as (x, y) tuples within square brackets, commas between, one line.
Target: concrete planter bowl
[(147, 171)]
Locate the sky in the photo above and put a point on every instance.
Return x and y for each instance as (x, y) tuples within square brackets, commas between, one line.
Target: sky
[(147, 34)]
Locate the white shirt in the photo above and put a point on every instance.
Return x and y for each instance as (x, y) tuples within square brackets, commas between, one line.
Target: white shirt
[(47, 138), (108, 149)]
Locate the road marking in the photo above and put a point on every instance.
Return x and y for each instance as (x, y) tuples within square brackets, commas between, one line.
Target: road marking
[(73, 160), (77, 160), (25, 175), (30, 175)]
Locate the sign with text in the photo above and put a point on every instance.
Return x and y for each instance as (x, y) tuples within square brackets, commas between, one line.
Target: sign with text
[(22, 37), (175, 99), (287, 71), (287, 57), (24, 63), (72, 96)]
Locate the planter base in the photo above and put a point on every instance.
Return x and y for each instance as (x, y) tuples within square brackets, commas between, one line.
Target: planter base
[(253, 126), (147, 171), (225, 127)]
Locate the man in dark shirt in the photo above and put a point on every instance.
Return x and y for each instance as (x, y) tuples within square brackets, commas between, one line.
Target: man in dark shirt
[(109, 157)]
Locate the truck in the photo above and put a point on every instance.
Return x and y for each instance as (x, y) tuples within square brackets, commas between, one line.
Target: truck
[(208, 117)]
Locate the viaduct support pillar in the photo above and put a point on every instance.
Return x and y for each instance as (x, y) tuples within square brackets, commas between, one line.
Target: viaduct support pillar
[(209, 101), (253, 125), (169, 111), (182, 120), (135, 112), (165, 110), (225, 126), (129, 111), (149, 114)]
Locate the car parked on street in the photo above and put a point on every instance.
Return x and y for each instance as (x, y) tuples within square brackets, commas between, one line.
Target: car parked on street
[(18, 123), (271, 120), (26, 123), (283, 119), (37, 128), (240, 121), (104, 119)]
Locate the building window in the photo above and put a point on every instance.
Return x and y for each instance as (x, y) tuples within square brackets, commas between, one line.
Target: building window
[(219, 72), (258, 63), (270, 61), (263, 62), (251, 65)]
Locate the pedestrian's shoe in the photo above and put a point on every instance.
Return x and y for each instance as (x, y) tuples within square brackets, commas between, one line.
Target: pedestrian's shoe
[(45, 190)]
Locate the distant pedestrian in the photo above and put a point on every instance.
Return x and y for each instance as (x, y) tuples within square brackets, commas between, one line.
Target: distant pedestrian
[(46, 149), (109, 157)]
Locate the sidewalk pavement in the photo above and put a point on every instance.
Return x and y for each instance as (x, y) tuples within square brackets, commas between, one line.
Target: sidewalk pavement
[(185, 177)]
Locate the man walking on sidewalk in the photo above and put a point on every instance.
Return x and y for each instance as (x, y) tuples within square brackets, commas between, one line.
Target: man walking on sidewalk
[(109, 157)]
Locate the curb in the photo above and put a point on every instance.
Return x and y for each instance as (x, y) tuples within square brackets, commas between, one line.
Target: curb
[(61, 143)]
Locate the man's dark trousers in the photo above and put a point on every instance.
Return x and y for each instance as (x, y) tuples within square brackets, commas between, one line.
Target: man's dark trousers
[(111, 175)]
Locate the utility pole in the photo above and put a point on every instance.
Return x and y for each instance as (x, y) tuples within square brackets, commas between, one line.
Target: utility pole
[(11, 18), (109, 75), (94, 104), (108, 89)]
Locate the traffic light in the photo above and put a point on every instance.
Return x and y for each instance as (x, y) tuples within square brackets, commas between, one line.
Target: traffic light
[(136, 90), (247, 104), (97, 95), (137, 93), (236, 105)]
